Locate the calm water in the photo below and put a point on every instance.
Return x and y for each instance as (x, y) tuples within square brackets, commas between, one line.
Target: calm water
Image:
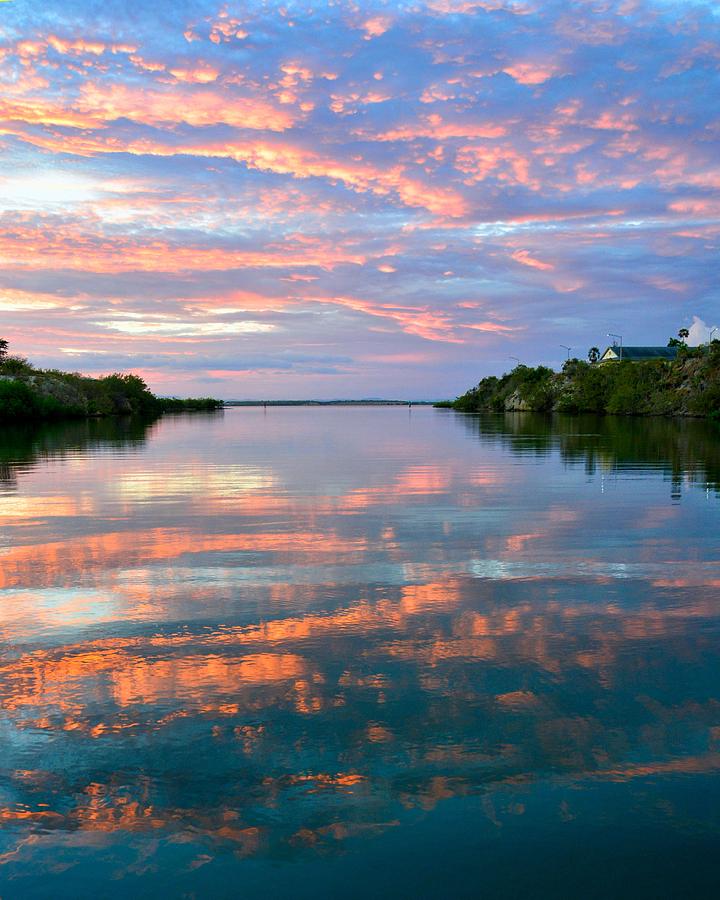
[(360, 652)]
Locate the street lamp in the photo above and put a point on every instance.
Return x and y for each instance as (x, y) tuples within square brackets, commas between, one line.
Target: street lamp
[(610, 334), (565, 347), (517, 360), (712, 332)]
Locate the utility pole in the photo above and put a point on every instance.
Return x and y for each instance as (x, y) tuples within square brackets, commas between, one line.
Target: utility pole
[(565, 347), (619, 336)]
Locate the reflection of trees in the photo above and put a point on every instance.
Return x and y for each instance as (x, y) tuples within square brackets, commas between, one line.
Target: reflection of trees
[(679, 448), (24, 445)]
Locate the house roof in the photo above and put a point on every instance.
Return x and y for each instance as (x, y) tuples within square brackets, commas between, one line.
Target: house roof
[(640, 353)]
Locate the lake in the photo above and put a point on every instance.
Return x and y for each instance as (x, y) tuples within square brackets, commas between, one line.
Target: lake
[(320, 652)]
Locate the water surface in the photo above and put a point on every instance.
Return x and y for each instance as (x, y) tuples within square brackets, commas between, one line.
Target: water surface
[(369, 652)]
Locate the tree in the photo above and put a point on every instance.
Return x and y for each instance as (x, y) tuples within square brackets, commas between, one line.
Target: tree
[(15, 365), (3, 349), (683, 334), (593, 354)]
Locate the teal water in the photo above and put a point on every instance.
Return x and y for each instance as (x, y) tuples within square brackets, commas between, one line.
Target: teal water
[(360, 652)]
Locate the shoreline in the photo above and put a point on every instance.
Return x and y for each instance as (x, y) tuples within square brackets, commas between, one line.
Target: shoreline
[(578, 414), (264, 403), (34, 395), (687, 386)]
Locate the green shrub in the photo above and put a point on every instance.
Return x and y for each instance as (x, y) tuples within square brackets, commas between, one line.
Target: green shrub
[(15, 365), (689, 384), (17, 401), (707, 402)]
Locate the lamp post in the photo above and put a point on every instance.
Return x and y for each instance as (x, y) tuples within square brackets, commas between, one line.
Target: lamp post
[(712, 332), (517, 360), (565, 347), (619, 336)]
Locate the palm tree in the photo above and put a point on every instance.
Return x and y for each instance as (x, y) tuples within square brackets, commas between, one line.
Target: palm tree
[(593, 354), (3, 349), (683, 334)]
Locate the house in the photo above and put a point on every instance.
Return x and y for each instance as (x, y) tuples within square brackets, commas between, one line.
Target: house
[(637, 354)]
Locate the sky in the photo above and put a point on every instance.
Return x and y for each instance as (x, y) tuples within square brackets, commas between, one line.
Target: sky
[(262, 200)]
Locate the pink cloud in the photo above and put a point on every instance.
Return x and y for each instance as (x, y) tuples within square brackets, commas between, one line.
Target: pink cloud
[(432, 325), (281, 157), (376, 26), (198, 73), (492, 327), (74, 247), (200, 107), (435, 127), (531, 72), (524, 258), (468, 7), (102, 104), (96, 48), (612, 121), (479, 161)]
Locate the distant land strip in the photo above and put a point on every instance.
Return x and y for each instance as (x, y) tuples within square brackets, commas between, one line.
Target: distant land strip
[(329, 402)]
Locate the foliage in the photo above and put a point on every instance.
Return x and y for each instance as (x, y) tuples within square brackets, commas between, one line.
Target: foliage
[(129, 393), (20, 401), (199, 404), (15, 365), (679, 341), (17, 401), (688, 385), (30, 393)]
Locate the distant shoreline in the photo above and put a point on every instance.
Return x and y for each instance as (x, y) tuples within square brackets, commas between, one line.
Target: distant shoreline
[(227, 403)]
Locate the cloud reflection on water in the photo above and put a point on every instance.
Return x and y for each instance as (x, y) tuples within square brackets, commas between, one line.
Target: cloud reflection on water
[(282, 664)]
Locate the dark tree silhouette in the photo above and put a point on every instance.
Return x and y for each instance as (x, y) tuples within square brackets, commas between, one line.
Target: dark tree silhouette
[(593, 354), (683, 334), (3, 349)]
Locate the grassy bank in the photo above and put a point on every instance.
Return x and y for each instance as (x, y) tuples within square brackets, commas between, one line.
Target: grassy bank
[(28, 394), (686, 386)]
